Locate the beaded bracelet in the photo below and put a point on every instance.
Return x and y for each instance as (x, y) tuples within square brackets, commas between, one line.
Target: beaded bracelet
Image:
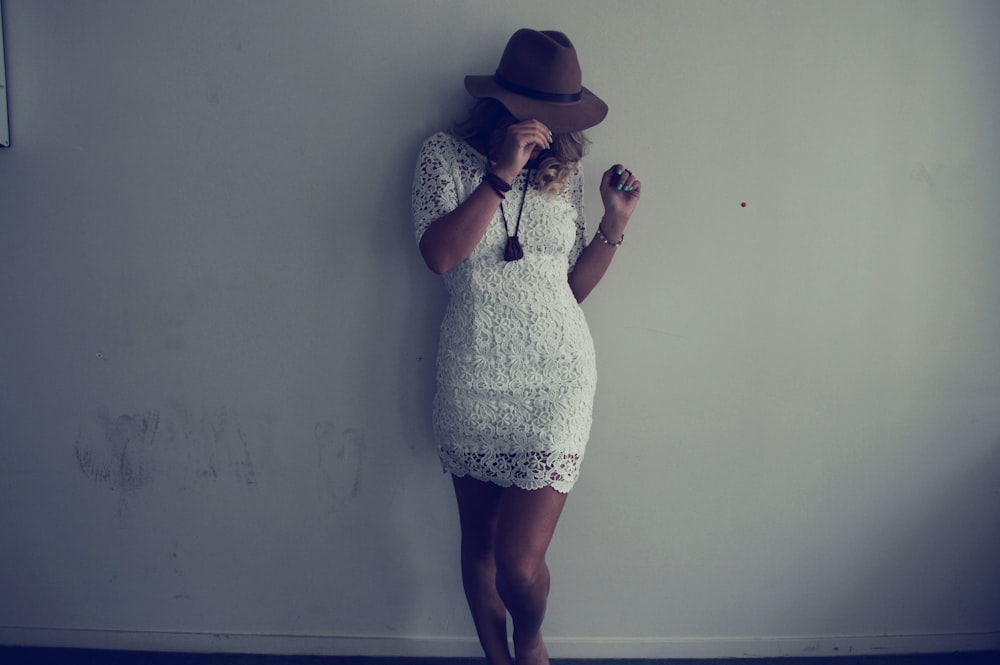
[(600, 232), (499, 185)]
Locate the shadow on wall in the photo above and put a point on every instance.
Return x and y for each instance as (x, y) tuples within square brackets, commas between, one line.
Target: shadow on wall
[(930, 541), (398, 384)]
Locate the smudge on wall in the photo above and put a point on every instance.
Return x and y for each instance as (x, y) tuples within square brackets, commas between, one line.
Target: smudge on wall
[(240, 461), (205, 442), (340, 456), (211, 445), (119, 451), (193, 448)]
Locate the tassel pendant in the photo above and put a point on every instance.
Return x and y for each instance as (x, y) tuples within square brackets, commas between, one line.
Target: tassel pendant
[(513, 250)]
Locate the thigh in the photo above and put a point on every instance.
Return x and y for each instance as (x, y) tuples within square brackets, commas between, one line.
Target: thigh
[(526, 524), (478, 511)]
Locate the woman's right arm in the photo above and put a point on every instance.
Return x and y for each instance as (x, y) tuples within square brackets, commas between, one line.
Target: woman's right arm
[(452, 237)]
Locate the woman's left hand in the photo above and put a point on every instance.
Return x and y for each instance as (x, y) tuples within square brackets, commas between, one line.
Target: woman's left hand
[(620, 191)]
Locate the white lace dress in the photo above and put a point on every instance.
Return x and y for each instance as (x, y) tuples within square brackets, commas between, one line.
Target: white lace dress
[(516, 371)]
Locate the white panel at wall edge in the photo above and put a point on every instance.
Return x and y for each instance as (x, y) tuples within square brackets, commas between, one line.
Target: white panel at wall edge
[(4, 125), (465, 647)]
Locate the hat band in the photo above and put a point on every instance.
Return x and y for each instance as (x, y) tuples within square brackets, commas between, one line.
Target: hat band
[(540, 95)]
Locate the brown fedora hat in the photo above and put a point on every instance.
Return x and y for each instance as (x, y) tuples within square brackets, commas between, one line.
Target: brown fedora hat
[(539, 77)]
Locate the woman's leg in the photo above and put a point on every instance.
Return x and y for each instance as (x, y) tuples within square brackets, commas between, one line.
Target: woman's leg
[(478, 510), (527, 521)]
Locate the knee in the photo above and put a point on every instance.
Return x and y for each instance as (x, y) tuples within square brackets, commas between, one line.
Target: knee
[(520, 570)]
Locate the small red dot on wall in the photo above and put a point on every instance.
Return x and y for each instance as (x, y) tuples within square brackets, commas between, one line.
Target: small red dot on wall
[(743, 205)]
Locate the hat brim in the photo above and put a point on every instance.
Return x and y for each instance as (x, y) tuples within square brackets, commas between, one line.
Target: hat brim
[(559, 117)]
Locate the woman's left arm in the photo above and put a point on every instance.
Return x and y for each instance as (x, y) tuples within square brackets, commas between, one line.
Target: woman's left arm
[(620, 191)]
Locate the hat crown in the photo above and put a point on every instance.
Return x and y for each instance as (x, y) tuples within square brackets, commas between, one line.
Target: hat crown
[(539, 78), (543, 61)]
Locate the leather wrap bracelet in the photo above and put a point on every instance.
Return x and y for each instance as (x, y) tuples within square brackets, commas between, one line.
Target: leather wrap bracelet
[(499, 185)]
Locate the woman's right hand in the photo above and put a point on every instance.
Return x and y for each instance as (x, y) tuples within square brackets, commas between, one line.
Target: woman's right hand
[(522, 141)]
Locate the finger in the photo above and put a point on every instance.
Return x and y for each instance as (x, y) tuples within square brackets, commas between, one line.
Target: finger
[(534, 137), (537, 131), (614, 175), (542, 127), (609, 179), (636, 188), (627, 181), (545, 134), (624, 178)]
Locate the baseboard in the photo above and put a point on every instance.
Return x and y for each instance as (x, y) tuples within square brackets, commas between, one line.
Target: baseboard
[(446, 647)]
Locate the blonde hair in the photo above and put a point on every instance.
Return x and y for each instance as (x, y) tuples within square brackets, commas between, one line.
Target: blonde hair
[(487, 116)]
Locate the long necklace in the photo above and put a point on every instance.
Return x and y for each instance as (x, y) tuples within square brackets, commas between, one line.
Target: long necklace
[(513, 250)]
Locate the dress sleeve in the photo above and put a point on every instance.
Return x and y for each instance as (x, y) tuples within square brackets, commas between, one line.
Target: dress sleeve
[(574, 190), (433, 193)]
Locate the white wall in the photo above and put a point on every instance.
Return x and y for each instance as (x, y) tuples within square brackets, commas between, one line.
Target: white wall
[(218, 337)]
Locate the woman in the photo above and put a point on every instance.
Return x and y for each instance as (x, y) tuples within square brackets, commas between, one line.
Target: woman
[(498, 209)]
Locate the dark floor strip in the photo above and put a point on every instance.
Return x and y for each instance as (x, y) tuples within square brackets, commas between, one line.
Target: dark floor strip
[(46, 656)]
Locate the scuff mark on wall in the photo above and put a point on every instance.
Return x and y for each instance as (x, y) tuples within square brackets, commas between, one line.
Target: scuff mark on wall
[(239, 459), (122, 452), (211, 443), (119, 451), (199, 437), (949, 183), (341, 462)]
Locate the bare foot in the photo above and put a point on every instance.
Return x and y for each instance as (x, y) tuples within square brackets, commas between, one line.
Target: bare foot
[(531, 652), (503, 661)]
